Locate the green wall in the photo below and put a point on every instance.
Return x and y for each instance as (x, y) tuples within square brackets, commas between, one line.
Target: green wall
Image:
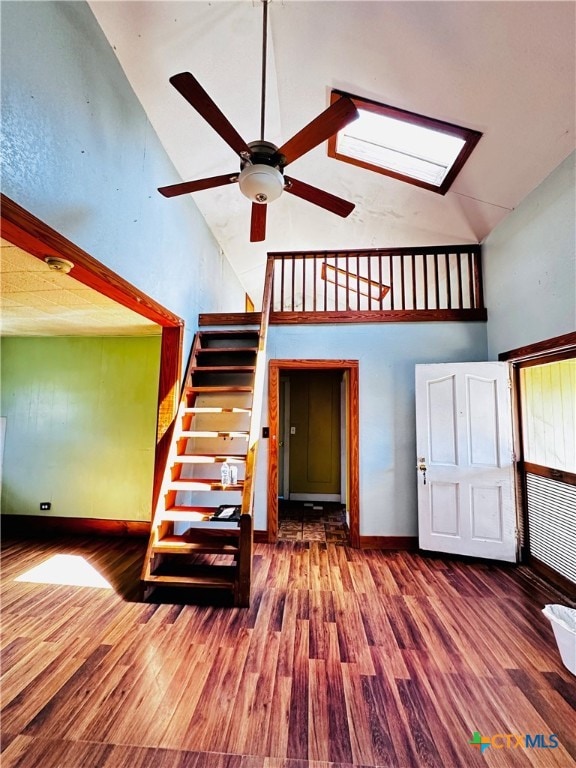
[(81, 425)]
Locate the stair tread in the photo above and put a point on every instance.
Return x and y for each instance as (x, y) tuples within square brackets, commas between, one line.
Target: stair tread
[(183, 545), (227, 350), (222, 369), (219, 576), (230, 332), (198, 515), (219, 388), (210, 458), (215, 409), (214, 433), (208, 484)]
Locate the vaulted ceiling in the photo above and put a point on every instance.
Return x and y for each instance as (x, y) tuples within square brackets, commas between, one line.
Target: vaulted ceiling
[(506, 69)]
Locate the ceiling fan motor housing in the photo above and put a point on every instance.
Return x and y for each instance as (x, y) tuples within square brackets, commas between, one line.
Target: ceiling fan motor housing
[(261, 179)]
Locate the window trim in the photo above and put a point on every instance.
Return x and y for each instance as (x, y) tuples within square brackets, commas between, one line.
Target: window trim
[(471, 138)]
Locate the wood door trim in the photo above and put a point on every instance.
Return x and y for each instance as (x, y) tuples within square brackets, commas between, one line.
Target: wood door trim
[(353, 453)]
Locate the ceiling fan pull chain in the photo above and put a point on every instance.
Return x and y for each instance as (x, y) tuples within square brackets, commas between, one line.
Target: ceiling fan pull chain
[(264, 47)]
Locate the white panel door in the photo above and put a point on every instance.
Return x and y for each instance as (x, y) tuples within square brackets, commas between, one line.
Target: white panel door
[(465, 460)]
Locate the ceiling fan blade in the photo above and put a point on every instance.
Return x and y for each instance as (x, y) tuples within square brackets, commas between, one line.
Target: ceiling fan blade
[(195, 186), (329, 122), (187, 85), (258, 223), (317, 196)]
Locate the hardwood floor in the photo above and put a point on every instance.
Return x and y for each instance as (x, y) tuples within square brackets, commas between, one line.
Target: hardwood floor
[(345, 658)]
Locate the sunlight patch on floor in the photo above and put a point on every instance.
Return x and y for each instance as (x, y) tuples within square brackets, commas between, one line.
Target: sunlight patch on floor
[(70, 570)]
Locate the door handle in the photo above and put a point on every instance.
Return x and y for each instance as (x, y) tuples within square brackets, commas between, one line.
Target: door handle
[(422, 467)]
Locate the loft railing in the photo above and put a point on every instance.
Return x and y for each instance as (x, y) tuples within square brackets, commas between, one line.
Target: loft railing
[(384, 284)]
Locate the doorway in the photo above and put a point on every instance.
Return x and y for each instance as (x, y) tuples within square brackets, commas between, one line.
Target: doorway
[(313, 451)]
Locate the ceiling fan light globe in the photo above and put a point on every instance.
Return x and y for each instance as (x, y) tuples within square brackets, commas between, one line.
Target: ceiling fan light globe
[(261, 183)]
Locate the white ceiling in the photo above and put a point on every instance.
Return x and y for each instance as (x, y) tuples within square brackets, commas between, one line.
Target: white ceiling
[(36, 301), (506, 69)]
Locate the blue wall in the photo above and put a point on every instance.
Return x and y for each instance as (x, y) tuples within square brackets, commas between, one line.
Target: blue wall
[(387, 354), (530, 266), (80, 154)]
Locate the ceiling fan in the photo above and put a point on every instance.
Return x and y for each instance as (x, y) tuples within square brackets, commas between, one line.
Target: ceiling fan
[(261, 177)]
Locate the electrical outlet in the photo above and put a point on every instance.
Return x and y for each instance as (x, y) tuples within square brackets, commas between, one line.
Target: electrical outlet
[(45, 505)]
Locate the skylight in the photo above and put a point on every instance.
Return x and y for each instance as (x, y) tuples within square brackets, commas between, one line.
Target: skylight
[(404, 145)]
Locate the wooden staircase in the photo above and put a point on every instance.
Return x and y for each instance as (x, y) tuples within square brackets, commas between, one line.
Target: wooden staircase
[(187, 547)]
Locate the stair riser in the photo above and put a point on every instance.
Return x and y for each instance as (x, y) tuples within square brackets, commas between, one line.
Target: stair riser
[(226, 358), (217, 422), (207, 498), (220, 445), (203, 472), (229, 379)]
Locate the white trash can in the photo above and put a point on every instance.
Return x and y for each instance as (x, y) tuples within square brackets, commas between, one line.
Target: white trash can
[(563, 620)]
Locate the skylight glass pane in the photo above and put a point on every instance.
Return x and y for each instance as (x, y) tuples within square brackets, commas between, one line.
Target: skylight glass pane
[(399, 146)]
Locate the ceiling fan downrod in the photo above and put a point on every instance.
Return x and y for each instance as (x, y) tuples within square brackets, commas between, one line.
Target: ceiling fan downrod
[(264, 55)]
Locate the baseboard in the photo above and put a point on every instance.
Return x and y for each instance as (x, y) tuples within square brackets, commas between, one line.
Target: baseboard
[(261, 537), (407, 543), (552, 576), (42, 526)]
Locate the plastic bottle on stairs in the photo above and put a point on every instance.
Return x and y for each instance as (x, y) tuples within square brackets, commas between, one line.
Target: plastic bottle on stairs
[(225, 474)]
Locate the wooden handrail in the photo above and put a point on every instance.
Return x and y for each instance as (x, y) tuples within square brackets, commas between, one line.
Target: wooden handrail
[(258, 392), (443, 280)]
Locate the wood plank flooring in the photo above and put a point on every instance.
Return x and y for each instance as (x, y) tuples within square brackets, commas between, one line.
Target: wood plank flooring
[(345, 658)]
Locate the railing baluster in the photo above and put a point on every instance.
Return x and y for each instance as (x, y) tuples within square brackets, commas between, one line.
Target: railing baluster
[(314, 283), (448, 283), (369, 291), (437, 282), (414, 299), (402, 282), (282, 286), (303, 284), (425, 275), (336, 283), (459, 271), (391, 274), (380, 279), (478, 281), (471, 280), (358, 283)]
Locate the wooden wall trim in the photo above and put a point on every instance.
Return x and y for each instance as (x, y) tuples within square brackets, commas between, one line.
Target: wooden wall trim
[(351, 366), (38, 526), (24, 230), (565, 342), (404, 250), (379, 316), (168, 401), (229, 318), (560, 475), (404, 543)]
